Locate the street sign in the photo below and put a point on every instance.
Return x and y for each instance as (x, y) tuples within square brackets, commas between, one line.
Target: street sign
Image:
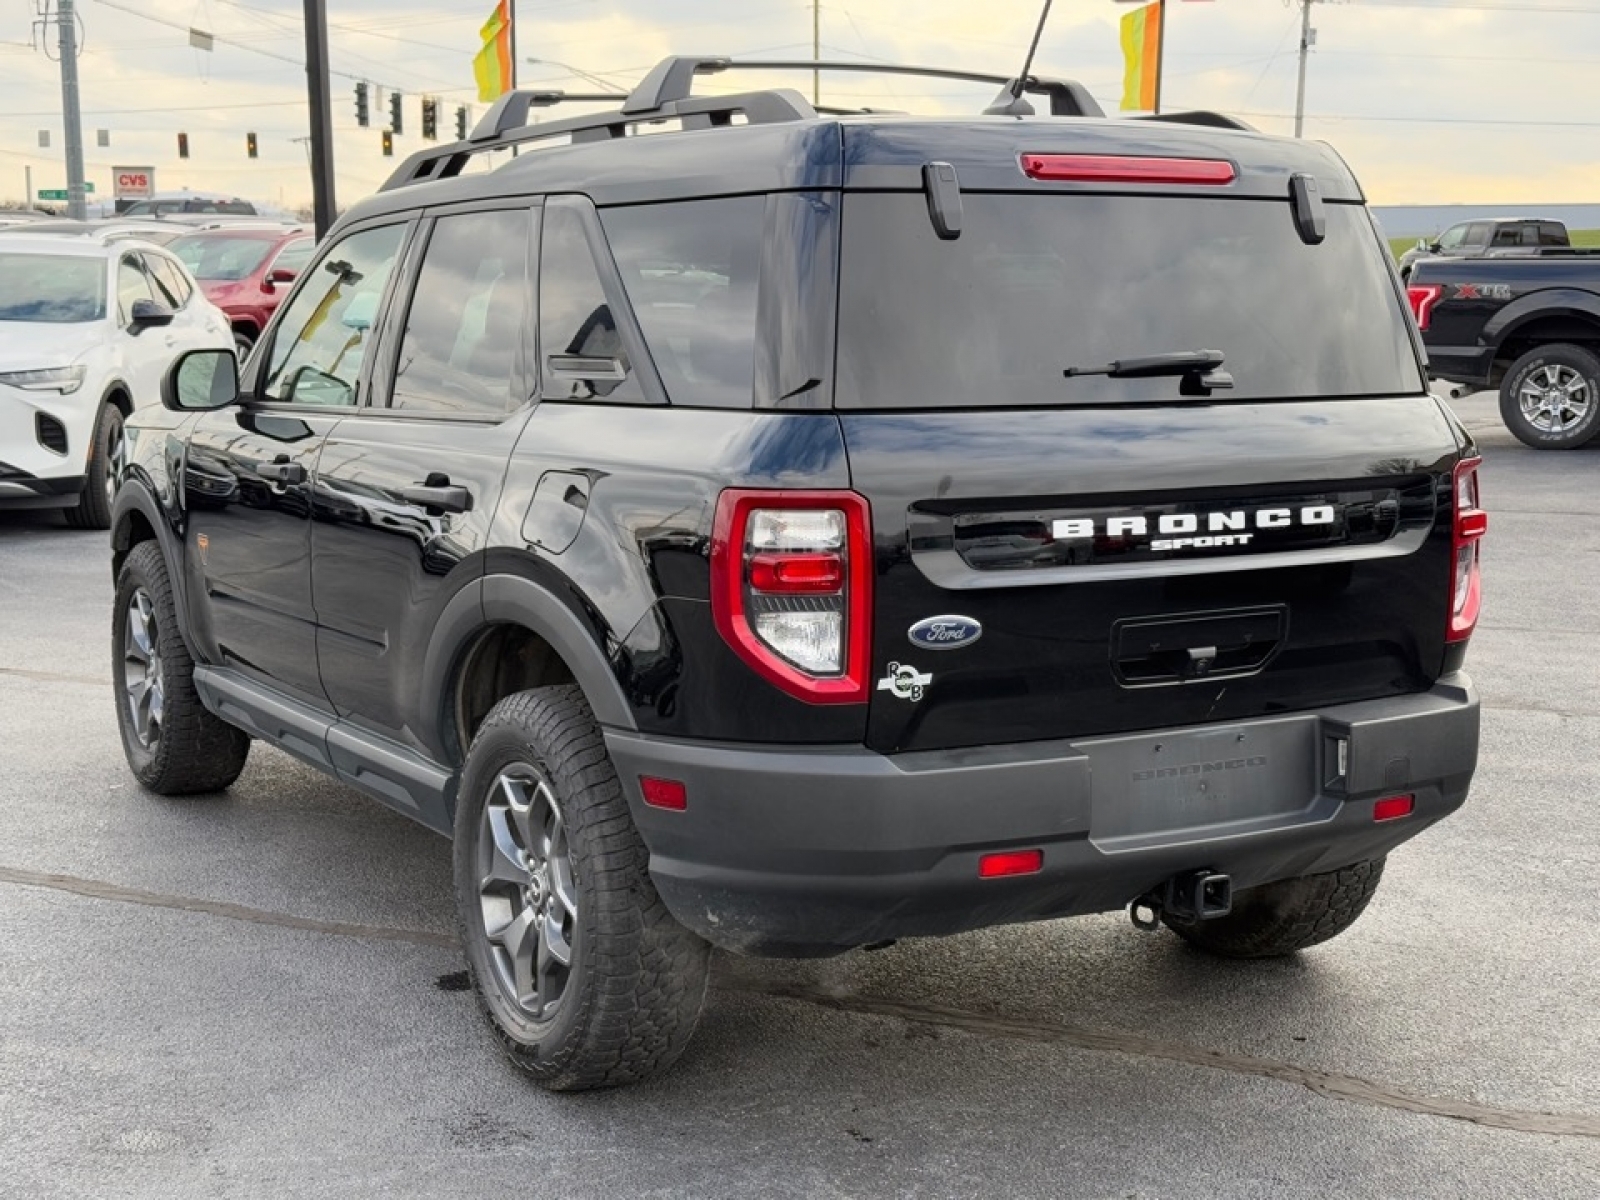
[(133, 183), (61, 193)]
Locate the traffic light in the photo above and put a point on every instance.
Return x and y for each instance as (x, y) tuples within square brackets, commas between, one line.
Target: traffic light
[(388, 144), (461, 124), (183, 145), (250, 144), (396, 113), (430, 118), (363, 113)]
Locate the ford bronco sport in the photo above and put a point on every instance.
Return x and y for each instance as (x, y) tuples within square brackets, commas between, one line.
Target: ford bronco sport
[(790, 531)]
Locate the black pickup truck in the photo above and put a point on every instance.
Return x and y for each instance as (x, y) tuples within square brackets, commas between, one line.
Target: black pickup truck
[(1530, 327), (1494, 237)]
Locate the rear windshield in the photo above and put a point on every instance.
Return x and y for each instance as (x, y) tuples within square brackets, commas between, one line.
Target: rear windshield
[(222, 258), (1036, 284), (51, 289)]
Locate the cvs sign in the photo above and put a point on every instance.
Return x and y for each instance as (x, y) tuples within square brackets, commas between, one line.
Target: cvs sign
[(134, 183)]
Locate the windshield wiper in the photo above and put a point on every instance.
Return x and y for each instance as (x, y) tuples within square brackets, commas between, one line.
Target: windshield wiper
[(1201, 370)]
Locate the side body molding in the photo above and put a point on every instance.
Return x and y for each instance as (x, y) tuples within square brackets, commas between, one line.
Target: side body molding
[(511, 599)]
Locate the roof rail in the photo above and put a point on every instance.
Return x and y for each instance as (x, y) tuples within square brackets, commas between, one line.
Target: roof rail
[(667, 92)]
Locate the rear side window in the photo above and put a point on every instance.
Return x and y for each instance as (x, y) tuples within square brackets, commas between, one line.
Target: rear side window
[(1552, 235), (1510, 235), (463, 339), (691, 273), (1039, 283), (581, 350)]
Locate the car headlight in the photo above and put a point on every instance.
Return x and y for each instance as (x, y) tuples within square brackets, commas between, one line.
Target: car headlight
[(65, 380)]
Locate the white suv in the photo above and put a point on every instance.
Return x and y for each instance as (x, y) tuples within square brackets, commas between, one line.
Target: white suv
[(86, 333)]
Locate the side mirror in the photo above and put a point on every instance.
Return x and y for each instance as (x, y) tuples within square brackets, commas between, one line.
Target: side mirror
[(147, 314), (1423, 244), (201, 380)]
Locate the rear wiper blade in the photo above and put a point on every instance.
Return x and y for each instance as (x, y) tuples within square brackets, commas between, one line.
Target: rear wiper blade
[(1201, 370)]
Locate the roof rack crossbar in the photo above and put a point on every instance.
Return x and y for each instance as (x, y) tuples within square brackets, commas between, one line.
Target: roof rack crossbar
[(1214, 120)]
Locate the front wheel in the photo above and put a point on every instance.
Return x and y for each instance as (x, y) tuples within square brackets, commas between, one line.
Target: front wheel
[(586, 979), (104, 473), (1550, 398), (1279, 918)]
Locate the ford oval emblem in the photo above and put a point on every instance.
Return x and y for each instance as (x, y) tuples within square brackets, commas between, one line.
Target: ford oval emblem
[(944, 633)]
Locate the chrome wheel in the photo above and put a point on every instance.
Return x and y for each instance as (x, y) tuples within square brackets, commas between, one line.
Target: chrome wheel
[(1555, 398), (142, 680), (527, 895)]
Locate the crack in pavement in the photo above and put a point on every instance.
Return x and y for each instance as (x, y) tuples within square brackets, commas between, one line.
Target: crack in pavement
[(52, 677), (1332, 1085)]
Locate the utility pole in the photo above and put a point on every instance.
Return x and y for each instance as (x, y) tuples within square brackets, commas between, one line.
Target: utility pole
[(317, 84), (1308, 38), (1161, 50), (816, 51), (71, 117)]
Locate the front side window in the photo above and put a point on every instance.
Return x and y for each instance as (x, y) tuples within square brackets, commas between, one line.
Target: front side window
[(463, 336), (1452, 237), (582, 349), (295, 256), (132, 285), (161, 284), (691, 273), (1552, 235), (171, 277), (1477, 234), (325, 333)]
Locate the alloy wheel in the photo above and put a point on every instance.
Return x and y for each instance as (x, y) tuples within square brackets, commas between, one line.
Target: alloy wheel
[(143, 680), (116, 451), (528, 896), (1555, 398)]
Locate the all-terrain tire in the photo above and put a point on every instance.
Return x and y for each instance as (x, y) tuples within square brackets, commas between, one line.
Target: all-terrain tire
[(1545, 370), (631, 997), (93, 509), (1279, 918), (191, 751)]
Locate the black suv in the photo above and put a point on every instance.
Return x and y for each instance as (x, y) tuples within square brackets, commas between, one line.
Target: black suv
[(789, 532)]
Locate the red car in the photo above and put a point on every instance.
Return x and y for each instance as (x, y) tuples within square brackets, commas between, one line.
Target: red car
[(246, 271)]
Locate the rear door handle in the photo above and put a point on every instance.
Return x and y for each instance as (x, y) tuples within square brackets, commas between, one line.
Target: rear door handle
[(438, 497), (281, 470)]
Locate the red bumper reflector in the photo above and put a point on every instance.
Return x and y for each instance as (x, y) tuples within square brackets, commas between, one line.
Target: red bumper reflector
[(1121, 168), (1010, 862), (664, 793), (1391, 808)]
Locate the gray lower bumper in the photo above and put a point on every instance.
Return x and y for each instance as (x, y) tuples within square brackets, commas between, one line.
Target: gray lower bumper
[(795, 849)]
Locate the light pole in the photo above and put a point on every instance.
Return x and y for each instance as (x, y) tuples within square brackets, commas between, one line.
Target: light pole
[(1308, 38), (604, 84), (317, 82)]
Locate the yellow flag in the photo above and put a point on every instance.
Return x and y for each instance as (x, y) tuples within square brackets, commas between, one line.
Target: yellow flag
[(491, 66), (1141, 51)]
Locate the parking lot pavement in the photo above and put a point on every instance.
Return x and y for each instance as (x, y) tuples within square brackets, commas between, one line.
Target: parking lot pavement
[(254, 994)]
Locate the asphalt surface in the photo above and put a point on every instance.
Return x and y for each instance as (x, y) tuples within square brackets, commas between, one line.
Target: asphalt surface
[(252, 994)]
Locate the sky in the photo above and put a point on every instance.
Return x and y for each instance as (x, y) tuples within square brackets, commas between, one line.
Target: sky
[(1482, 102)]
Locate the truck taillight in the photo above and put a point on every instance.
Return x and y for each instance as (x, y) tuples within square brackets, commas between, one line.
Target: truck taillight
[(1468, 525), (1422, 298), (791, 589)]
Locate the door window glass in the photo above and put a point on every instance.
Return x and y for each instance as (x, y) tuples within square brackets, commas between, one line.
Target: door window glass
[(1508, 235), (1552, 235), (326, 332), (132, 285), (579, 342), (295, 256), (161, 283), (463, 334), (1477, 234), (170, 276), (1451, 238)]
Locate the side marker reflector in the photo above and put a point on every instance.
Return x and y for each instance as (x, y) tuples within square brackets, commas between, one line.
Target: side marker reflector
[(1010, 862), (1392, 808), (664, 793)]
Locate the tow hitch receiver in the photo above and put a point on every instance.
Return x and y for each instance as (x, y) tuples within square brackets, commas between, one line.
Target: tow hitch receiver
[(1195, 896)]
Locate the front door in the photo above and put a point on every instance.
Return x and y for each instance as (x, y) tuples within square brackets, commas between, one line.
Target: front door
[(248, 478), (407, 488)]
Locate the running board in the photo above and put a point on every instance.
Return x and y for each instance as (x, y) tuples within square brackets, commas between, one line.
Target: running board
[(390, 773)]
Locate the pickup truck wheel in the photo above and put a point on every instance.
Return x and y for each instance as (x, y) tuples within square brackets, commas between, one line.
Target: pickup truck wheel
[(93, 509), (1279, 918), (1550, 398), (585, 978), (174, 745)]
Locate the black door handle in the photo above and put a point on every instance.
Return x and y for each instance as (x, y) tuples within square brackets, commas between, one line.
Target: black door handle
[(281, 470), (438, 495)]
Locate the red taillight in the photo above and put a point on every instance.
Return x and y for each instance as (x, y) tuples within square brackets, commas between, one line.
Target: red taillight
[(664, 793), (791, 589), (1422, 298), (1118, 168), (1010, 862), (1392, 808), (1468, 524)]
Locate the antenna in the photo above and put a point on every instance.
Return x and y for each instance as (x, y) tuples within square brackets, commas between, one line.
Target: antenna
[(1010, 102)]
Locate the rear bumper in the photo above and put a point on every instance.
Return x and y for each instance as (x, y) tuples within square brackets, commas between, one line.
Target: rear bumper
[(1461, 364), (812, 849)]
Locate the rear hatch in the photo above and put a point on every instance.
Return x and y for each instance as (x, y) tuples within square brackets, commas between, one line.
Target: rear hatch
[(1114, 553)]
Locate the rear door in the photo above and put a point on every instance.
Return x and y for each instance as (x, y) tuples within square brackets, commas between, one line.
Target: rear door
[(406, 490), (1069, 555)]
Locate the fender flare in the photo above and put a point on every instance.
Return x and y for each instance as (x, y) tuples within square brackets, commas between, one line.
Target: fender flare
[(514, 600), (1535, 306), (132, 497)]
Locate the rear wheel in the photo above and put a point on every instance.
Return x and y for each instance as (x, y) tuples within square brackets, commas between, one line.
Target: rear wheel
[(586, 979), (1279, 918), (242, 342), (174, 745), (93, 510), (1550, 398)]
